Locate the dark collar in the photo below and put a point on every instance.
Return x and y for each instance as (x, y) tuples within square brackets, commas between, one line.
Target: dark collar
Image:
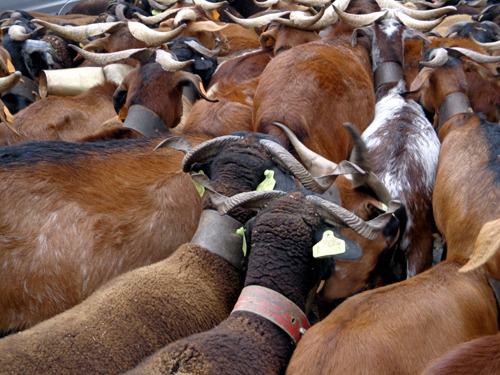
[(495, 285), (387, 72), (25, 88), (452, 105), (145, 121), (218, 234)]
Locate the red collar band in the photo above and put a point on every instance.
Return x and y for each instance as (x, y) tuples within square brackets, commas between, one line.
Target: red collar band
[(274, 307)]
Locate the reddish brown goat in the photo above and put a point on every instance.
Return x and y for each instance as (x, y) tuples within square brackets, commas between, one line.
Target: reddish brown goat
[(64, 118), (476, 357), (460, 206)]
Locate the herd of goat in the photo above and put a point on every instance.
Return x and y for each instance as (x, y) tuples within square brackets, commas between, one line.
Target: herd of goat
[(193, 187)]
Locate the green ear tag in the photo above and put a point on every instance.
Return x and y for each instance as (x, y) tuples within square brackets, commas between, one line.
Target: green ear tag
[(155, 12), (200, 188), (241, 232), (269, 181), (328, 246)]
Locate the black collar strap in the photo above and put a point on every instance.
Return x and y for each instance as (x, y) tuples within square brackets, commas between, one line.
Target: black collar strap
[(387, 72), (218, 234), (145, 121), (495, 286), (452, 105), (274, 307), (25, 88), (190, 94)]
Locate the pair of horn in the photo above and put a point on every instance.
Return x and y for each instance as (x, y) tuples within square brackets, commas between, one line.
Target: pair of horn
[(439, 56), (331, 213), (319, 166)]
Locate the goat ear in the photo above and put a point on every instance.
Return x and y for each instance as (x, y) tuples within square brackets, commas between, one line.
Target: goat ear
[(485, 252), (368, 211), (472, 67), (367, 31), (97, 44), (268, 37), (119, 99), (411, 34), (421, 80), (188, 79)]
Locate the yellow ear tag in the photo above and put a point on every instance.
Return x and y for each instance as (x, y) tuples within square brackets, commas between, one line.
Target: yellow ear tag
[(81, 45), (241, 232), (384, 207), (155, 12), (200, 188), (268, 183), (10, 67), (328, 246)]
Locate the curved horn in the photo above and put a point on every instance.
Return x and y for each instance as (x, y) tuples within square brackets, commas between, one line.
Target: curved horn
[(250, 23), (455, 28), (437, 4), (158, 18), (202, 50), (437, 57), (416, 24), (18, 33), (169, 63), (185, 15), (80, 33), (206, 5), (120, 11), (493, 26), (477, 3), (490, 47), (207, 151), (359, 20), (476, 56), (286, 162), (339, 216), (6, 83), (316, 164), (329, 18), (414, 13), (301, 20), (141, 54), (177, 143), (266, 4), (312, 3), (160, 4), (361, 157), (151, 37)]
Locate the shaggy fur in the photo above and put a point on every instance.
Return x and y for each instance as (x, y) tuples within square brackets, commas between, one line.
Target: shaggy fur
[(400, 328), (129, 318), (280, 259)]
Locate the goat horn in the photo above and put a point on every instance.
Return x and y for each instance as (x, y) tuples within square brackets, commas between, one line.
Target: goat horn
[(359, 20), (455, 28), (202, 50), (437, 57), (316, 164), (266, 4), (437, 4), (151, 37), (251, 200), (206, 5), (185, 15), (169, 63), (490, 47), (120, 12), (160, 4), (416, 24), (414, 13), (339, 216), (329, 18), (80, 33), (251, 23), (18, 33), (141, 54), (177, 143), (312, 3), (361, 157), (158, 18), (301, 20), (6, 83), (283, 159), (477, 3), (207, 151), (493, 26), (476, 56)]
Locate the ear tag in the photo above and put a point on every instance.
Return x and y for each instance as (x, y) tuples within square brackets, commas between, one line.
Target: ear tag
[(199, 187), (241, 232), (81, 45), (155, 12), (268, 183), (10, 67), (328, 246), (384, 207)]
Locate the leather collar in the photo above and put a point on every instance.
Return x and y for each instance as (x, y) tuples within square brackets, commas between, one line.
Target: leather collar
[(387, 72), (495, 286), (274, 307), (452, 105), (218, 234), (25, 88), (145, 121)]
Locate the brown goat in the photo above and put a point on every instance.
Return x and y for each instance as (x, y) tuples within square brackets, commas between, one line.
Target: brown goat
[(400, 328), (64, 118)]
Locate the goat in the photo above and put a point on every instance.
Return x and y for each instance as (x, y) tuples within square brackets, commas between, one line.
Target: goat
[(401, 328), (442, 88), (281, 273)]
